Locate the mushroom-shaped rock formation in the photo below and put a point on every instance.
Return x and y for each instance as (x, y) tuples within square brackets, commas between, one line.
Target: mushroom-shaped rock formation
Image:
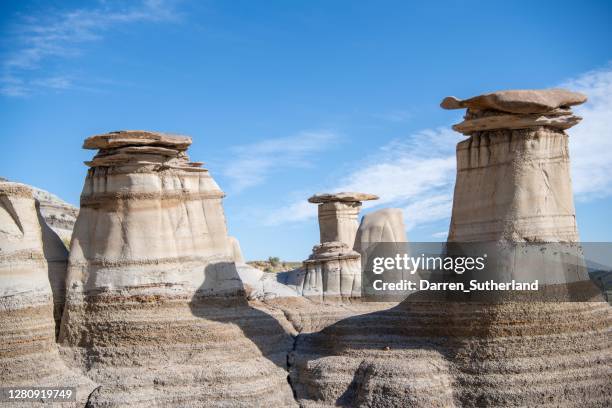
[(513, 181), (334, 268), (338, 214), (32, 273), (512, 185), (155, 310)]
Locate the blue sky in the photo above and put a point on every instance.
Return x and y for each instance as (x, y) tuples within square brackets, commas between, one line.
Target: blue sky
[(285, 99)]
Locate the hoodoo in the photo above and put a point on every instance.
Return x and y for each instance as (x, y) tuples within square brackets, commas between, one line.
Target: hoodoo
[(513, 171), (338, 215), (156, 312), (32, 273), (334, 268)]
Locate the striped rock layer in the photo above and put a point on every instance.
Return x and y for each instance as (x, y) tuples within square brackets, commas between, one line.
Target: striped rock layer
[(464, 355), (32, 269), (156, 312), (514, 185)]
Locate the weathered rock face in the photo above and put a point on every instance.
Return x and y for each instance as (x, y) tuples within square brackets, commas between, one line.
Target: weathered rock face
[(338, 215), (513, 174), (332, 271), (149, 220), (156, 311), (458, 355), (58, 214), (236, 251), (512, 185), (32, 273), (386, 225)]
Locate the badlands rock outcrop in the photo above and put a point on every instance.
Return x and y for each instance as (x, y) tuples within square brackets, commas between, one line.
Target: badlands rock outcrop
[(382, 226), (32, 268), (156, 312), (423, 354), (339, 214), (334, 268), (58, 214), (513, 175)]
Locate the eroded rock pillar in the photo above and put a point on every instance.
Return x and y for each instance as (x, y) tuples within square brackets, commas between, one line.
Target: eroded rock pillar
[(513, 171), (152, 282), (339, 214), (334, 268)]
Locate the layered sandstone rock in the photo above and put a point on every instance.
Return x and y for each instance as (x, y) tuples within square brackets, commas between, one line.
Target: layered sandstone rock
[(513, 175), (236, 251), (338, 215), (386, 225), (332, 271), (32, 273), (334, 268), (512, 185), (59, 215), (156, 311)]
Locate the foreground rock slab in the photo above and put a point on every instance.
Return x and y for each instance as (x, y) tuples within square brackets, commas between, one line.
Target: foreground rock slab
[(32, 273)]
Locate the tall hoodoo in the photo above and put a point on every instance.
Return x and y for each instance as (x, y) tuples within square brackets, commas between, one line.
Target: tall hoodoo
[(156, 311), (32, 273), (150, 219), (513, 175)]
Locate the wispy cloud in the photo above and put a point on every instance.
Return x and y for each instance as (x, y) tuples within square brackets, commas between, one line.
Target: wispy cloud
[(252, 163), (440, 235), (415, 174), (591, 140), (55, 35), (418, 174)]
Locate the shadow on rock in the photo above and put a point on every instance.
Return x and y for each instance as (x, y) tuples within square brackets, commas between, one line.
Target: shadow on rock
[(222, 298)]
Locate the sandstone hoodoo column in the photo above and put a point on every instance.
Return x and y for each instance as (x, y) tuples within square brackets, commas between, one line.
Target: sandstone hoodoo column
[(155, 310), (32, 256), (339, 214), (513, 189), (334, 268), (513, 175)]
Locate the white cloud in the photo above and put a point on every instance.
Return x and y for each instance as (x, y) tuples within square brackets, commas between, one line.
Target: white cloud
[(416, 175), (297, 211), (441, 234), (251, 164), (59, 35), (591, 140)]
